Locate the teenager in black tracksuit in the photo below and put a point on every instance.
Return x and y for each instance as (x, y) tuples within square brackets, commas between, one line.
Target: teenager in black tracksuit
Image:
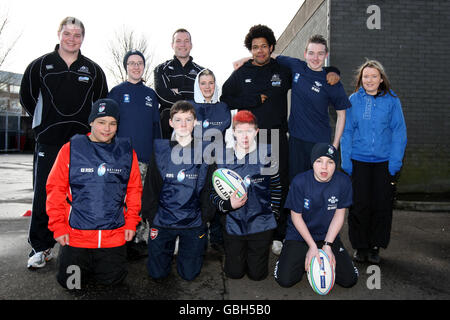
[(261, 86), (59, 98)]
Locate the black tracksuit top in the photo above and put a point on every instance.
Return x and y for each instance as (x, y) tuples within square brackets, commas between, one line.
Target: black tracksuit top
[(172, 74), (59, 98), (244, 87)]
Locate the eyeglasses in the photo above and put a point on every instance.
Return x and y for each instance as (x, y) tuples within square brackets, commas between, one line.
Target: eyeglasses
[(135, 64)]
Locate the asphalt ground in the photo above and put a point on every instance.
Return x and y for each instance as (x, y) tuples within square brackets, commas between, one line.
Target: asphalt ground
[(415, 267)]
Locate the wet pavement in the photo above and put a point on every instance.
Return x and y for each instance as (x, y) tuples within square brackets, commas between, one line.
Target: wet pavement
[(414, 267)]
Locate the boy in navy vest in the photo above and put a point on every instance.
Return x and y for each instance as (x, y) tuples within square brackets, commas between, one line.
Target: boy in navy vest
[(175, 197), (249, 221), (93, 200), (317, 199)]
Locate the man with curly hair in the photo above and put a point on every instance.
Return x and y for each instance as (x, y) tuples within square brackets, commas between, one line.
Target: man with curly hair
[(261, 86)]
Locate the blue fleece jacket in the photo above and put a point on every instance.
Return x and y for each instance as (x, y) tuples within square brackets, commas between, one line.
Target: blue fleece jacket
[(375, 131)]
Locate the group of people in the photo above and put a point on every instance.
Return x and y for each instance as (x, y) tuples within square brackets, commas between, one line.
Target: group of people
[(109, 165)]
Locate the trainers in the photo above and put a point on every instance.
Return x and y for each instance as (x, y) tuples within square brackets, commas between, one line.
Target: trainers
[(374, 256), (48, 255), (276, 247), (360, 255), (39, 259), (175, 252)]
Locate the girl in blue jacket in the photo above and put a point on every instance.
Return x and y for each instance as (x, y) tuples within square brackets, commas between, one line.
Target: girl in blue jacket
[(372, 149)]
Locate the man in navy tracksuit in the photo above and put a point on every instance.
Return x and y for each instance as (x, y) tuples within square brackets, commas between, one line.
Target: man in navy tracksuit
[(175, 199), (174, 79), (139, 114), (57, 90)]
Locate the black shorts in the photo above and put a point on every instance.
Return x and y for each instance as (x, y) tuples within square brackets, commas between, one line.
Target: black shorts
[(290, 266), (106, 266)]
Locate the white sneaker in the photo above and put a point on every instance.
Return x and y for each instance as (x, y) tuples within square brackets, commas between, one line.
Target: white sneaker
[(48, 255), (276, 247), (175, 252), (39, 259)]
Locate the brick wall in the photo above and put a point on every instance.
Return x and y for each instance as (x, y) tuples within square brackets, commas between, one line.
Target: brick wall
[(413, 44)]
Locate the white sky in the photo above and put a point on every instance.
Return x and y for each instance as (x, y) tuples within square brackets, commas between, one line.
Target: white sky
[(218, 28)]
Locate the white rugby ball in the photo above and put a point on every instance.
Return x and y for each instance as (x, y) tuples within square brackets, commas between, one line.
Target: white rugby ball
[(321, 275), (226, 181)]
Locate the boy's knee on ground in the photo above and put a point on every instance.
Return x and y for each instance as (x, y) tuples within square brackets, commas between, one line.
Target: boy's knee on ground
[(286, 281)]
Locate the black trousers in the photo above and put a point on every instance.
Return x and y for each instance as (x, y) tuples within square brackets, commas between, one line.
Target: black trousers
[(299, 156), (370, 216), (40, 237), (290, 266), (283, 171), (247, 255), (105, 266), (166, 129)]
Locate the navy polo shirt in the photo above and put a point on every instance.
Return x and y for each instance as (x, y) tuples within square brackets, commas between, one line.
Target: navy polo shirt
[(317, 202), (311, 95), (139, 115)]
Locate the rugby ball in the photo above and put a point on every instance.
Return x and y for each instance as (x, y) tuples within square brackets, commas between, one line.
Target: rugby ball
[(226, 181), (321, 274)]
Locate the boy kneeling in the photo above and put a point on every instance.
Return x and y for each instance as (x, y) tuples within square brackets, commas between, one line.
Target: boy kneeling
[(317, 199), (93, 200)]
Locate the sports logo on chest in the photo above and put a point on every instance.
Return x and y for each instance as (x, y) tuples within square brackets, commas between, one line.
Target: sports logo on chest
[(249, 180), (276, 80), (207, 123), (316, 86), (84, 69), (332, 203), (306, 204), (83, 79), (181, 175), (148, 101)]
